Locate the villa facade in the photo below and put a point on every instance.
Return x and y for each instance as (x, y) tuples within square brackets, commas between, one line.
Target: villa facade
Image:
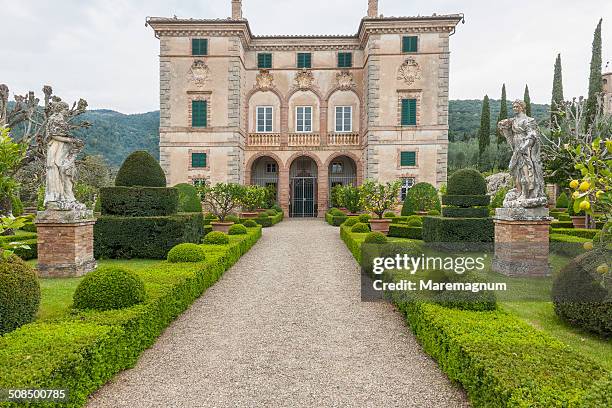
[(304, 113)]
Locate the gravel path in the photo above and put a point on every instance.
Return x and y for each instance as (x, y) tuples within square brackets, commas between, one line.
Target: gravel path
[(285, 327)]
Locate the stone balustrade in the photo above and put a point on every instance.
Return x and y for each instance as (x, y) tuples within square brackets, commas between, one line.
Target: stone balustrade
[(343, 139), (264, 139), (304, 139)]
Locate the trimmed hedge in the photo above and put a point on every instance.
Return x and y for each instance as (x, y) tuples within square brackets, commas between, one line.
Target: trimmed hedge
[(6, 239), (85, 350), (145, 237), (249, 223), (466, 200), (562, 224), (27, 253), (462, 212), (440, 229), (188, 198), (350, 221), (268, 221), (360, 227), (405, 231), (140, 169), (139, 201), (109, 288), (335, 220), (466, 182), (186, 252), (576, 232), (19, 294)]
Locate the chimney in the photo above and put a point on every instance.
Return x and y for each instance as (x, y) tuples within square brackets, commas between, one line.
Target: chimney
[(236, 9), (372, 8)]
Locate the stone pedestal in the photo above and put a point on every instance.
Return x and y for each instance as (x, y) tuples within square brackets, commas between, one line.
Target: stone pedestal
[(65, 243), (521, 241)]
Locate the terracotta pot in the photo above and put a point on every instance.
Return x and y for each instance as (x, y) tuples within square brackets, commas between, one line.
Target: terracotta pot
[(420, 212), (380, 225), (579, 221), (221, 226), (249, 215), (344, 210)]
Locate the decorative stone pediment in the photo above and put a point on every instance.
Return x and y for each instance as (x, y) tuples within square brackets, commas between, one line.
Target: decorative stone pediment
[(199, 73), (409, 71), (345, 80), (264, 80), (304, 79)]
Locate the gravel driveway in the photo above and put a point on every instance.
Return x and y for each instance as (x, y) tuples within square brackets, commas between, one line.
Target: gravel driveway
[(285, 327)]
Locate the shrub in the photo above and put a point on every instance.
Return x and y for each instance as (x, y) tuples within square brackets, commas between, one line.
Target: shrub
[(433, 212), (463, 300), (390, 214), (270, 212), (599, 394), (216, 238), (376, 237), (463, 212), (188, 198), (140, 169), (145, 237), (351, 198), (186, 252), (498, 199), (250, 223), (17, 206), (19, 294), (440, 229), (405, 231), (576, 232), (277, 208), (237, 229), (335, 220), (253, 197), (562, 201), (466, 200), (139, 201), (336, 212), (579, 295), (235, 219), (467, 182), (27, 253), (350, 221), (360, 227), (421, 197), (109, 288), (364, 218)]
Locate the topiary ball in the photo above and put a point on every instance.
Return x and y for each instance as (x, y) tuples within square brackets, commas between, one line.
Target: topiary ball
[(360, 227), (350, 221), (186, 252), (250, 223), (19, 293), (140, 169), (237, 229), (365, 218), (467, 182), (189, 199), (277, 208), (216, 238), (376, 237), (421, 197), (109, 288), (232, 218)]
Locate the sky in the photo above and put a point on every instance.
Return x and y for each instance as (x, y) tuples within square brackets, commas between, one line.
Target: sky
[(100, 50)]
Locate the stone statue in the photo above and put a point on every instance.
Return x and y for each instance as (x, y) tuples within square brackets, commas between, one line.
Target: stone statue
[(62, 150), (525, 166)]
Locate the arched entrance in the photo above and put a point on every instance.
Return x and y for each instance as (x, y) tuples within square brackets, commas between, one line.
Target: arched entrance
[(264, 172), (342, 171), (303, 187)]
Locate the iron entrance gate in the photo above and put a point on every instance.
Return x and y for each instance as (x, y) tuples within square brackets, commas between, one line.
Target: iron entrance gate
[(303, 193)]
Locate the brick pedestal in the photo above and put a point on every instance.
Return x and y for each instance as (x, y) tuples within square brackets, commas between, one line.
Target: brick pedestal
[(65, 243), (521, 246)]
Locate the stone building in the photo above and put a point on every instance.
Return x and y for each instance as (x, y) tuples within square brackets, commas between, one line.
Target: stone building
[(607, 88), (304, 112)]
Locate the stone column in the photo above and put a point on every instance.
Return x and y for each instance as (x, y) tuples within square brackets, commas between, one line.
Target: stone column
[(283, 190), (323, 191), (65, 243), (521, 241), (284, 124)]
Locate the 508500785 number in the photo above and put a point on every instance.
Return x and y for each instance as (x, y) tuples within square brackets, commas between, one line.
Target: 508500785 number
[(19, 395)]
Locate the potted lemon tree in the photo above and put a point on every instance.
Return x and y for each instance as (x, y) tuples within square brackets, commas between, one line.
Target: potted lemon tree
[(377, 198), (221, 199), (252, 198)]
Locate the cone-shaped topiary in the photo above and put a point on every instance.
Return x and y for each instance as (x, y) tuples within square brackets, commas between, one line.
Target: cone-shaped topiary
[(186, 252), (140, 169), (562, 201), (109, 288), (19, 293), (189, 200), (467, 182)]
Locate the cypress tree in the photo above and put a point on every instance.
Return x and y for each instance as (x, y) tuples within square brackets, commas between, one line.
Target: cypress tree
[(595, 80), (557, 91), (527, 101), (503, 114), (484, 133)]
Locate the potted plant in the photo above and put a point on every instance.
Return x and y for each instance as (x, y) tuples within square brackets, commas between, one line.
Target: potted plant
[(378, 198), (579, 219), (221, 200), (253, 197), (337, 198), (351, 198)]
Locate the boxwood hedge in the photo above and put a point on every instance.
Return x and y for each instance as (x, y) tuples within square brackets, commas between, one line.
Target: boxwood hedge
[(139, 201), (466, 200), (440, 229), (471, 212), (405, 231)]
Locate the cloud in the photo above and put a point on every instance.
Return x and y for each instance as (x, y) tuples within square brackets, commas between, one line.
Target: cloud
[(100, 49)]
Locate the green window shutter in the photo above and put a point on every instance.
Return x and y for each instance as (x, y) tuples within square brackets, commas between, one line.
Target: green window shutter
[(264, 60), (304, 60), (409, 112), (199, 46), (410, 43), (408, 159), (199, 111), (345, 59), (198, 160)]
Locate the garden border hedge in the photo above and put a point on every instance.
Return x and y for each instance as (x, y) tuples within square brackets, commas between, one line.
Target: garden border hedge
[(405, 231), (139, 201), (83, 351), (576, 232), (335, 220), (269, 220)]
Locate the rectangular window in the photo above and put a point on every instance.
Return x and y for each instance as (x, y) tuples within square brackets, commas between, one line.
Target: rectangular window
[(199, 182), (407, 184), (270, 167), (409, 112), (344, 118), (303, 119), (199, 46), (304, 60), (345, 59), (408, 159), (198, 160), (264, 119), (199, 112), (264, 60), (410, 43)]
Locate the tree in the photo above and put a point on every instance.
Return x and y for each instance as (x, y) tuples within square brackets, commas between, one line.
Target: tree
[(595, 80), (503, 114), (484, 133), (527, 101), (222, 198), (378, 197), (11, 156), (557, 93)]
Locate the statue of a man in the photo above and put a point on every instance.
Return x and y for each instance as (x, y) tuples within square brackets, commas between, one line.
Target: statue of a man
[(523, 137), (61, 155)]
